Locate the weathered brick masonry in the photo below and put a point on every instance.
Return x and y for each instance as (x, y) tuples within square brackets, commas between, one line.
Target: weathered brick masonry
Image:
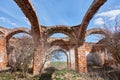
[(75, 47)]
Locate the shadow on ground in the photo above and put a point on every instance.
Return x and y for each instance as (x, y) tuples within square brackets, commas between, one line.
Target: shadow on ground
[(47, 74)]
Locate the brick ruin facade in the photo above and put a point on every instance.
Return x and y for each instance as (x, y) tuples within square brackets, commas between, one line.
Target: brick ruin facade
[(76, 55), (75, 46)]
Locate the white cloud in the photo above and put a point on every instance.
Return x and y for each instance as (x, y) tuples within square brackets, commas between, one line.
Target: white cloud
[(112, 14), (6, 20), (99, 21)]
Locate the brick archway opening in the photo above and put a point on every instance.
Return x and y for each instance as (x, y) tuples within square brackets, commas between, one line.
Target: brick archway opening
[(62, 61), (97, 31), (11, 40), (62, 30), (19, 45), (94, 38), (97, 52), (59, 35), (54, 49)]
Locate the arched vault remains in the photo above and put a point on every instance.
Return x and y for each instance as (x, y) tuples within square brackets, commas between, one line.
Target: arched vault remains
[(16, 31), (76, 33), (97, 31)]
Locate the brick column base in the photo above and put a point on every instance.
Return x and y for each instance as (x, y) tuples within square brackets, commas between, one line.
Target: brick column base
[(39, 57), (82, 62)]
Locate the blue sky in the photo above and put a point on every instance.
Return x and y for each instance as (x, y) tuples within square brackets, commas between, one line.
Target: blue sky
[(55, 12)]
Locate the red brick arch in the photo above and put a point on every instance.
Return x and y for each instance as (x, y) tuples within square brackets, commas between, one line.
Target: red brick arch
[(101, 41), (60, 29), (61, 43), (58, 48), (29, 11), (94, 7), (97, 31), (16, 31), (8, 33)]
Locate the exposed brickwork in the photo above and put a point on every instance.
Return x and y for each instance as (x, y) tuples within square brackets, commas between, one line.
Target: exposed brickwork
[(40, 34), (76, 55), (97, 31), (3, 54), (82, 53)]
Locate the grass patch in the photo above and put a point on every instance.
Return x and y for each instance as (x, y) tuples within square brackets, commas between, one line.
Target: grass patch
[(66, 74), (16, 76), (58, 63)]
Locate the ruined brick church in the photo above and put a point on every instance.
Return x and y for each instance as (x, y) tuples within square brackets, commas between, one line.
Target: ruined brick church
[(74, 47)]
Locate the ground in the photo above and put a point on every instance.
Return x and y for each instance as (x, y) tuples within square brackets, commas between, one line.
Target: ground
[(51, 73)]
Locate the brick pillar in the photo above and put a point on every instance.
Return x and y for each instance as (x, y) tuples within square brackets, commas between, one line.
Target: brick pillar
[(36, 64), (39, 51), (3, 54), (82, 61), (38, 60)]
